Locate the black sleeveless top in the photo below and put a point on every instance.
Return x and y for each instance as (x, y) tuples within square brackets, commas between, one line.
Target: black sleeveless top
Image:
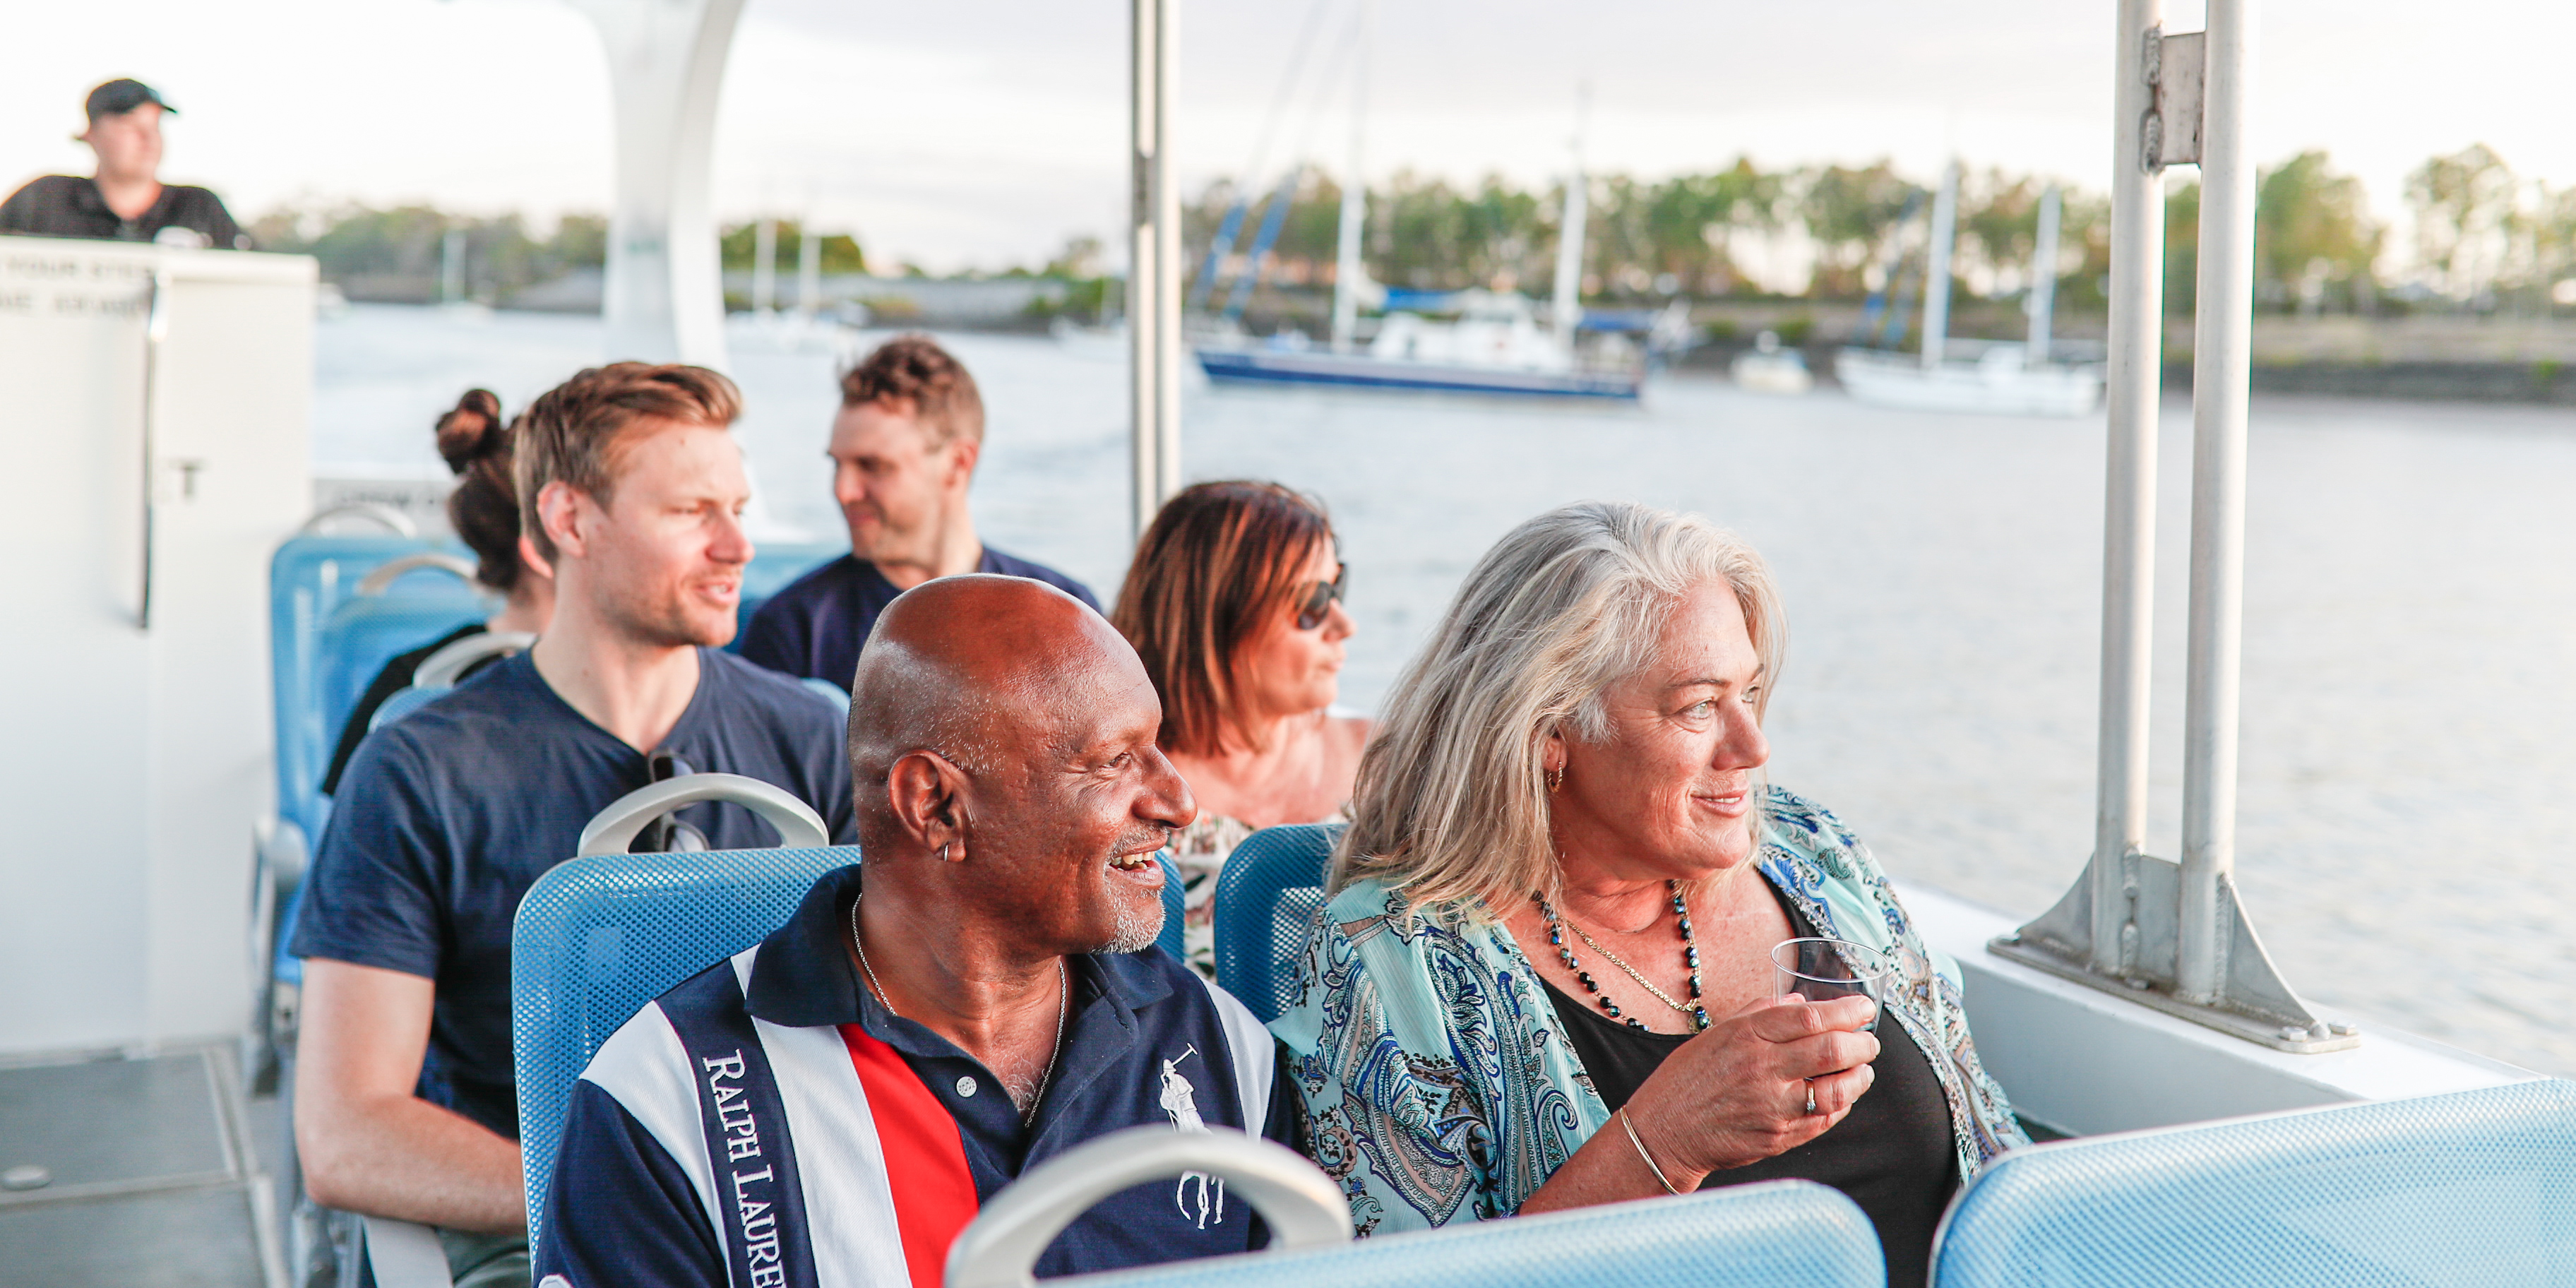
[(1892, 1153)]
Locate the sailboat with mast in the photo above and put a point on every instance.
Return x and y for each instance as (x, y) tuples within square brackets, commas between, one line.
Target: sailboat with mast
[(1496, 343), (2007, 379)]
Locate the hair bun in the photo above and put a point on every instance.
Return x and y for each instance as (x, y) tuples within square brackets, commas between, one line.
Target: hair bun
[(471, 430)]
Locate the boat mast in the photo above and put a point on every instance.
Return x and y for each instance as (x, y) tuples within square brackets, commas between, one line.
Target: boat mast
[(2043, 277), (809, 268), (1936, 283), (764, 267), (1565, 311), (1153, 264), (1347, 272)]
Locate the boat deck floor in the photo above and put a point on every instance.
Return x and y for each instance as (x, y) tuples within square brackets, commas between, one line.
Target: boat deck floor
[(137, 1170)]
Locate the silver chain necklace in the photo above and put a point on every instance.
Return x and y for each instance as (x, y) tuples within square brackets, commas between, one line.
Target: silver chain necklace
[(1063, 994)]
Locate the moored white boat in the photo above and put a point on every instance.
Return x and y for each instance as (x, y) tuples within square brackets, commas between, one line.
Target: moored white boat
[(2000, 381), (1768, 368), (2006, 379)]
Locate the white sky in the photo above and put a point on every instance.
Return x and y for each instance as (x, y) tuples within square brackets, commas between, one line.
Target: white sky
[(982, 132)]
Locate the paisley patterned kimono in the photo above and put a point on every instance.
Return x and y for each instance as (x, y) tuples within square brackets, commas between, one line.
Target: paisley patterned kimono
[(1434, 1082)]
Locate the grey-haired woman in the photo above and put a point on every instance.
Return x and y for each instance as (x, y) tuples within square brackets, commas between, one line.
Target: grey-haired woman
[(1544, 978)]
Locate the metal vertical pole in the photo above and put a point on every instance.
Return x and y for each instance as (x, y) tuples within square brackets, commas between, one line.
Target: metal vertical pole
[(1144, 347), (2221, 367), (1936, 269), (2129, 500), (1167, 261)]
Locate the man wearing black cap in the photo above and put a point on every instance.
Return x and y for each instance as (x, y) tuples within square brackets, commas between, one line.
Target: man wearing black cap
[(127, 200)]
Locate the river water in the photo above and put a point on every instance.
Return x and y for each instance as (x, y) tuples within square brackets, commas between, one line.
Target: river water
[(2410, 622)]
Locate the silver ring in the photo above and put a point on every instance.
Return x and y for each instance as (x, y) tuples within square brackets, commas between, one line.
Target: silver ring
[(1811, 1098)]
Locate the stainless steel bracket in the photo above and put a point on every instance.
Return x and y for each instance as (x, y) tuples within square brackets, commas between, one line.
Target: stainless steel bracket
[(2252, 1003), (2177, 67)]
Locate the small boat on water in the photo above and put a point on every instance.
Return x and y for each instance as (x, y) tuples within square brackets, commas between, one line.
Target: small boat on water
[(2004, 379), (1770, 368), (1495, 345)]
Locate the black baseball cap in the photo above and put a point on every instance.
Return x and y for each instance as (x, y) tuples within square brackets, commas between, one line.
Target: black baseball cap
[(123, 95)]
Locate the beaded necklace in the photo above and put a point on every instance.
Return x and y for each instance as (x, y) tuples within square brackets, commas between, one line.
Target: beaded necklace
[(1694, 1008)]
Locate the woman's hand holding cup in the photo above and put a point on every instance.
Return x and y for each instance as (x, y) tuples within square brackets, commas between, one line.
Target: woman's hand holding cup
[(1738, 1093)]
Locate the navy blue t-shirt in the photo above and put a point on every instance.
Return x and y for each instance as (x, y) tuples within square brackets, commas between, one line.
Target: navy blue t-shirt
[(816, 626), (447, 816)]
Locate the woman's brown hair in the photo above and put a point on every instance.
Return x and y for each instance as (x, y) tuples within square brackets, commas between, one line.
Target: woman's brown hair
[(1219, 560), (484, 508)]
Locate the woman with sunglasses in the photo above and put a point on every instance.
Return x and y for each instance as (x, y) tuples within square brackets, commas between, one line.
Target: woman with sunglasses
[(1234, 603)]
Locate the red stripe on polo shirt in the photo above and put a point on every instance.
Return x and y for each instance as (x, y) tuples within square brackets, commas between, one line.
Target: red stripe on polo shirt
[(925, 1161)]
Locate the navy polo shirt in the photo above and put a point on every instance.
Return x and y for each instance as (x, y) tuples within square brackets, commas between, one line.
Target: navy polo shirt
[(447, 816), (769, 1123), (815, 627)]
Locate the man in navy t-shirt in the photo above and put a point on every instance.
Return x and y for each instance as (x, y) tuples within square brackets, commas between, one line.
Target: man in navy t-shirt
[(903, 451), (980, 994), (632, 489)]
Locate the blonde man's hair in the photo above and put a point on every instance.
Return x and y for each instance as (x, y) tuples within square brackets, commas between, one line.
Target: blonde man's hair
[(1451, 807)]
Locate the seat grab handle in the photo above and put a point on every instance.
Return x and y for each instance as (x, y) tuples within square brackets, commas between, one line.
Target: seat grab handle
[(1000, 1248), (385, 574), (616, 827)]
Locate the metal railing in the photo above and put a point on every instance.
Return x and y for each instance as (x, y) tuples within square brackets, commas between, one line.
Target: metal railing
[(2173, 936)]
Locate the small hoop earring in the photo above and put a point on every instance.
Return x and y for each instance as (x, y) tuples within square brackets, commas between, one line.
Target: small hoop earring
[(1555, 779), (943, 851)]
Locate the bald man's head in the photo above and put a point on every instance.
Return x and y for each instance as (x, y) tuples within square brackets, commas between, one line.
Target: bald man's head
[(1002, 751), (953, 661)]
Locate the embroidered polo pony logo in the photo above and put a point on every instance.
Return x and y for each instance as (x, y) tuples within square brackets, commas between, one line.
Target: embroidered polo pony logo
[(1181, 1101)]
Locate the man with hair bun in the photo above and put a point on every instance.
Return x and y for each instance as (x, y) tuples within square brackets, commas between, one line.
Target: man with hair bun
[(904, 448), (631, 487)]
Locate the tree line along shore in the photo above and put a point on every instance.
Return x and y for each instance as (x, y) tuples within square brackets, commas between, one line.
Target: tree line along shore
[(2478, 264)]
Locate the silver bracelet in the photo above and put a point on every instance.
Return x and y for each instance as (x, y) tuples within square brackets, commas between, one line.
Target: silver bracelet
[(1631, 1129)]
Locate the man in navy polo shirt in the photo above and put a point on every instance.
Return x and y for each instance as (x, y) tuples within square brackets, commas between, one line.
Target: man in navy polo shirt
[(903, 452), (632, 487), (829, 1108)]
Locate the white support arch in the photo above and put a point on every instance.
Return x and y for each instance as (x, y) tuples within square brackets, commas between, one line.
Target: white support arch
[(664, 294)]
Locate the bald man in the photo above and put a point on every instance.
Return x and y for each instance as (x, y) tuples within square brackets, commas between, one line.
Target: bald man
[(830, 1107)]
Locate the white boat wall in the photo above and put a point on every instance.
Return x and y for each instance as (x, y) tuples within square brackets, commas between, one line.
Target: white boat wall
[(165, 396)]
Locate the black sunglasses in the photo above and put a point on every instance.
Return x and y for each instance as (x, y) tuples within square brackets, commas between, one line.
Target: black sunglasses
[(1319, 601)]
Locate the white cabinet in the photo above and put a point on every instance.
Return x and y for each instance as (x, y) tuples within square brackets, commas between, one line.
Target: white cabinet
[(153, 438)]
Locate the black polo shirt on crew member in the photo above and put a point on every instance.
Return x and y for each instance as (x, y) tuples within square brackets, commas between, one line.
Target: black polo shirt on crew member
[(66, 205)]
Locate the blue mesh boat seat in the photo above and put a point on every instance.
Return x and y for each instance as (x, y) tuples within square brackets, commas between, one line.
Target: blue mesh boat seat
[(1770, 1235), (308, 579), (603, 934), (311, 577), (2475, 1187), (1265, 901), (388, 606), (399, 607)]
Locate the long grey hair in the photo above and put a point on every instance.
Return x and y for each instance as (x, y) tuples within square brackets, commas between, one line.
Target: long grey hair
[(1451, 806)]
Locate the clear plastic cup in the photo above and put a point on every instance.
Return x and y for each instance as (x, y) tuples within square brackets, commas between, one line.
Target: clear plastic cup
[(1821, 970)]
